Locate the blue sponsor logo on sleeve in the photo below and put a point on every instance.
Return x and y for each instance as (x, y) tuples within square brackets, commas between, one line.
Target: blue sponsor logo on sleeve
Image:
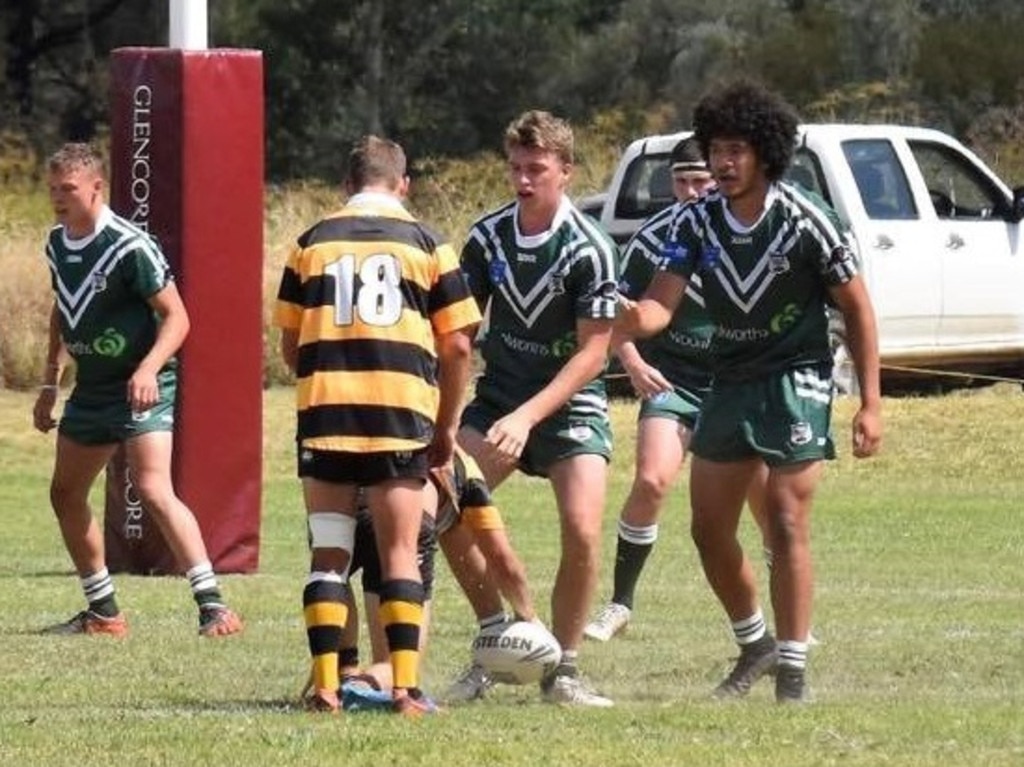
[(673, 253), (496, 271)]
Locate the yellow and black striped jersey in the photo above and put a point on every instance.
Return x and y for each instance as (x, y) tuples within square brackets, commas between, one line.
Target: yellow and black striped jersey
[(367, 290)]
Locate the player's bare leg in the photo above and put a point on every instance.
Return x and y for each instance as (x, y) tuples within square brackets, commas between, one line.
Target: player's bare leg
[(76, 467), (789, 498), (717, 493), (579, 485), (325, 598), (470, 568), (506, 570), (397, 509), (660, 452), (149, 459)]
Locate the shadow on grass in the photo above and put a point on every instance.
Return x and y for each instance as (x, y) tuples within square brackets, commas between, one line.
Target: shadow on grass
[(69, 573)]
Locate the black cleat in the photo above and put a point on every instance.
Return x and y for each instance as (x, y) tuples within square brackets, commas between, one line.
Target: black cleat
[(756, 660), (789, 685)]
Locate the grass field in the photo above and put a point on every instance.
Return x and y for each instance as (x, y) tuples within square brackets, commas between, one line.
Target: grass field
[(919, 564)]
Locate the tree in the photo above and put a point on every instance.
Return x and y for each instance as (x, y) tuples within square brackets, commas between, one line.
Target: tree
[(55, 79), (969, 65), (443, 77)]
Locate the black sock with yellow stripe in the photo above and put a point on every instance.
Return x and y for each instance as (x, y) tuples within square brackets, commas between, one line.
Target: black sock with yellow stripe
[(401, 613), (325, 611)]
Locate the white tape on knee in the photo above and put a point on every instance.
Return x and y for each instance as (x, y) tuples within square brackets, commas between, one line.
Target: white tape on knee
[(331, 530)]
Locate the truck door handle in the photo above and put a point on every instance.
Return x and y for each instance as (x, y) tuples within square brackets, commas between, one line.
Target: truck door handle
[(883, 242), (955, 241)]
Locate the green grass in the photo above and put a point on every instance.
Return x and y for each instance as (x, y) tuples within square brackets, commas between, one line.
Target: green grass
[(919, 578)]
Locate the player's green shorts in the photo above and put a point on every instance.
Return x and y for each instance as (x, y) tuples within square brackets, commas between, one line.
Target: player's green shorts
[(681, 405), (556, 438), (94, 417), (782, 417)]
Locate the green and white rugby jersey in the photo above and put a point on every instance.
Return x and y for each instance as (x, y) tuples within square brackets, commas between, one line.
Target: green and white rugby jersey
[(765, 286), (682, 351), (102, 283), (537, 288)]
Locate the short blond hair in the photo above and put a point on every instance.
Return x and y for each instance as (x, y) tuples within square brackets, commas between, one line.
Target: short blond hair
[(537, 129), (74, 155), (375, 160)]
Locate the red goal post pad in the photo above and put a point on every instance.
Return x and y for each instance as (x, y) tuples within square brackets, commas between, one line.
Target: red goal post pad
[(187, 166)]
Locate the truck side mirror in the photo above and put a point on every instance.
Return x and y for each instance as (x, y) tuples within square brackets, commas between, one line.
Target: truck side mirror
[(1017, 205)]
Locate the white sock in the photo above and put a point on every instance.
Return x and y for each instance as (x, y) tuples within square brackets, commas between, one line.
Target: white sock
[(749, 630), (792, 653)]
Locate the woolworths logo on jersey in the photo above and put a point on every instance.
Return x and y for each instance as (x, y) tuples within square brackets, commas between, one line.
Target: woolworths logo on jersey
[(109, 343), (785, 319), (560, 347)]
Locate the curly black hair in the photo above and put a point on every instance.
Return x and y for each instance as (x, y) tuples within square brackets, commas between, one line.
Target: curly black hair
[(749, 111)]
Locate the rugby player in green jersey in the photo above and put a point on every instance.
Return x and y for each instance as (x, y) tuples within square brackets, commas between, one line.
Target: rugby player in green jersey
[(671, 373), (770, 262), (118, 314), (546, 273)]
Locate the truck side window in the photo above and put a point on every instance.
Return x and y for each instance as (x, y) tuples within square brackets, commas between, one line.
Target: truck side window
[(646, 187), (805, 171), (880, 179), (957, 189)]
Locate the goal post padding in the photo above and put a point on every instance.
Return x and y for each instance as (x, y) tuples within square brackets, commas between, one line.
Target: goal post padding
[(187, 165)]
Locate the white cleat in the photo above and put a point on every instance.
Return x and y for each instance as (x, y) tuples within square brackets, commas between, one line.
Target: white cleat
[(573, 691), (472, 684), (612, 620)]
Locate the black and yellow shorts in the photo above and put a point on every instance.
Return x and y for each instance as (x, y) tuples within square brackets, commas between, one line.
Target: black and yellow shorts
[(782, 417)]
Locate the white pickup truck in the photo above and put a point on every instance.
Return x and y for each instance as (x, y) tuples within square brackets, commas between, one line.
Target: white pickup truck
[(939, 236)]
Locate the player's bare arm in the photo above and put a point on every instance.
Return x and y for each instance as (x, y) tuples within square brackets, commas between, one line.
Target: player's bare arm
[(454, 351), (653, 312), (42, 412), (862, 340), (509, 434), (289, 348), (143, 392)]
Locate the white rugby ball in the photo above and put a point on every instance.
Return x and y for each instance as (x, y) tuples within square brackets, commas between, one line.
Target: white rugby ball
[(516, 652)]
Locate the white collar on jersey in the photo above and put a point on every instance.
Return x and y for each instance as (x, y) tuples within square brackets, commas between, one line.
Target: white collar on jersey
[(536, 240), (375, 199), (769, 200), (102, 221)]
